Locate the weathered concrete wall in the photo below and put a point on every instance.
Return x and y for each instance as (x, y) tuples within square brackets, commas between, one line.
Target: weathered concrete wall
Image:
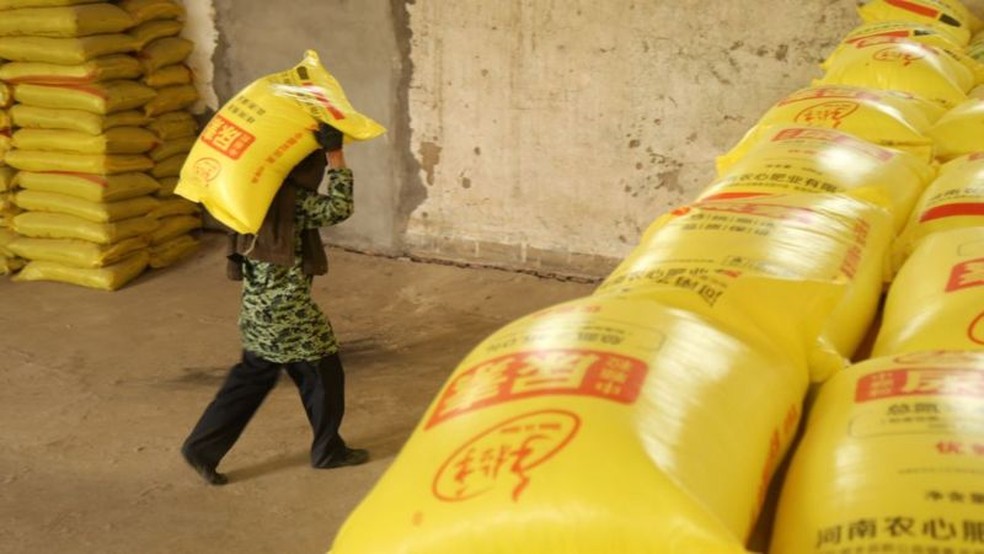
[(536, 134)]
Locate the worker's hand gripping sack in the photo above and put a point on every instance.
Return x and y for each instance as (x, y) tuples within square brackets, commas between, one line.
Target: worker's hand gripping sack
[(248, 148)]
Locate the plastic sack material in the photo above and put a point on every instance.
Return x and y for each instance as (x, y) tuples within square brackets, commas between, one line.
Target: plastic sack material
[(7, 236), (889, 461), (172, 147), (102, 164), (6, 96), (810, 159), (169, 76), (954, 200), (171, 99), (117, 140), (174, 125), (173, 226), (151, 10), (112, 277), (33, 117), (949, 16), (903, 65), (164, 52), (99, 212), (599, 425), (98, 98), (148, 32), (10, 265), (246, 150), (14, 4), (174, 205), (66, 51), (63, 226), (94, 188), (936, 301), (7, 176), (70, 21), (959, 131), (807, 269), (76, 253), (168, 184), (886, 118), (169, 167), (106, 68), (172, 251)]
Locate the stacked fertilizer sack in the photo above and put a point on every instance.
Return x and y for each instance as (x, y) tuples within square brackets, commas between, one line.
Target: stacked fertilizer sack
[(89, 128), (9, 262), (651, 416)]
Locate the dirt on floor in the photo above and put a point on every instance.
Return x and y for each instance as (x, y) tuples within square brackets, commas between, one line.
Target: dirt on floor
[(98, 390)]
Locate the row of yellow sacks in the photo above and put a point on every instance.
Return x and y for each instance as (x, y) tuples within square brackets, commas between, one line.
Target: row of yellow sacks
[(650, 416)]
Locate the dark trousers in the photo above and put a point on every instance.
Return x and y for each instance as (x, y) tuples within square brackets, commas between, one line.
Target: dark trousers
[(321, 385)]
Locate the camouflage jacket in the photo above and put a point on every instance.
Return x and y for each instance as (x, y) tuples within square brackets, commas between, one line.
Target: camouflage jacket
[(279, 320)]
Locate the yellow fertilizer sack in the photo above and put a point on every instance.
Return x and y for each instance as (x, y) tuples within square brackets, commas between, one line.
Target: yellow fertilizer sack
[(98, 98), (807, 269), (110, 278), (172, 251), (814, 159), (102, 164), (118, 140), (148, 32), (7, 177), (68, 21), (937, 299), (169, 76), (164, 52), (958, 132), (954, 200), (171, 99), (904, 65), (66, 51), (173, 147), (9, 266), (5, 122), (174, 125), (172, 226), (174, 205), (949, 16), (99, 212), (6, 96), (169, 167), (106, 68), (598, 425), (15, 4), (882, 117), (889, 461), (168, 184), (246, 150), (77, 253), (63, 226), (151, 10), (94, 188), (32, 117), (7, 236)]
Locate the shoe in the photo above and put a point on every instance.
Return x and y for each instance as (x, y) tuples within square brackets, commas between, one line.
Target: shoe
[(206, 471), (346, 457)]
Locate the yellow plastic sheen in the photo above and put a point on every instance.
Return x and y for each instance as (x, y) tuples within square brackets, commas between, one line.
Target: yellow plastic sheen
[(900, 64), (889, 460), (66, 51), (64, 226), (117, 140), (98, 98), (110, 278), (6, 237), (886, 118), (936, 301), (172, 251), (949, 16), (69, 21), (76, 253), (169, 167), (246, 150), (954, 200), (102, 164), (152, 10), (148, 32), (958, 132), (94, 188), (598, 425), (173, 226), (14, 4), (164, 52), (33, 117), (170, 99), (174, 125), (807, 269), (99, 212), (172, 147), (174, 205), (177, 74), (813, 159), (7, 176), (106, 68)]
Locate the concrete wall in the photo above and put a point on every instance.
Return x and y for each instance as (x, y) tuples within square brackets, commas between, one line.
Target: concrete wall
[(535, 134)]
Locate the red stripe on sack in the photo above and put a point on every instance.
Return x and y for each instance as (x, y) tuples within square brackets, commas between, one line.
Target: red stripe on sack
[(732, 195), (952, 210), (323, 100), (87, 176), (914, 8), (893, 34)]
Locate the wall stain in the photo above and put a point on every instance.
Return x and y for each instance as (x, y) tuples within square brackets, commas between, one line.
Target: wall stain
[(634, 143), (782, 52), (430, 156)]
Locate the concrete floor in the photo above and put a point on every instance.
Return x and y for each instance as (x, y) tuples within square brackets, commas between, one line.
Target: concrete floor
[(97, 391)]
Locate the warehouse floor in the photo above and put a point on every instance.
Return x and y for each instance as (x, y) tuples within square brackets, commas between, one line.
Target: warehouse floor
[(97, 391)]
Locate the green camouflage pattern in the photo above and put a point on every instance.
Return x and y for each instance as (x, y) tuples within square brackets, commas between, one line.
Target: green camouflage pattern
[(279, 320)]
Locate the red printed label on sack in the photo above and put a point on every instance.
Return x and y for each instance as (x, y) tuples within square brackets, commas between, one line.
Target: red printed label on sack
[(227, 137), (504, 456), (920, 382), (976, 330), (834, 137), (830, 113), (965, 275), (546, 372)]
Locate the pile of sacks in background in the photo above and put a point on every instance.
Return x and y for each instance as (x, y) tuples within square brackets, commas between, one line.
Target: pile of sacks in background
[(651, 416), (96, 120)]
